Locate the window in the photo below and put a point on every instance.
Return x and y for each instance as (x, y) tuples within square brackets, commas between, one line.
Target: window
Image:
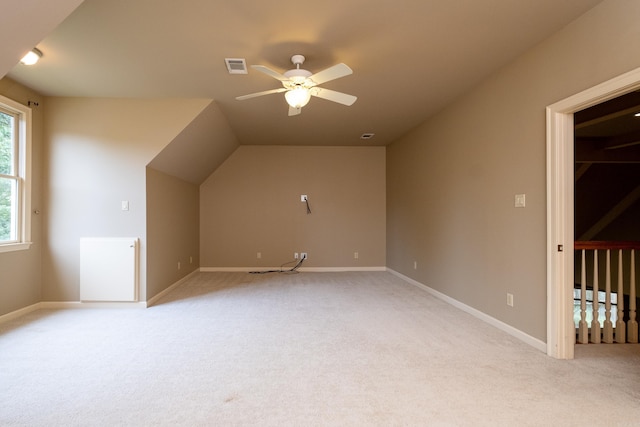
[(15, 186), (602, 308)]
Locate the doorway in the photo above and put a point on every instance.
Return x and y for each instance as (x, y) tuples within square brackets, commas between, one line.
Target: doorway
[(560, 211)]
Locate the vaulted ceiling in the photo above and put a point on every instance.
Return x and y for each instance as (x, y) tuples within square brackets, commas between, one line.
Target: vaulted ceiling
[(410, 57)]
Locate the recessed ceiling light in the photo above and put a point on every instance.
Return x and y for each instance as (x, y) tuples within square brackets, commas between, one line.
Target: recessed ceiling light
[(637, 114), (31, 57), (367, 135)]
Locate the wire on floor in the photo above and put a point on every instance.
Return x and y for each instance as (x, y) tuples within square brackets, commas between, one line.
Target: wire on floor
[(281, 270)]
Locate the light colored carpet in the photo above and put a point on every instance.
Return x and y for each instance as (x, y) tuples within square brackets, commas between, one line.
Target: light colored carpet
[(336, 349)]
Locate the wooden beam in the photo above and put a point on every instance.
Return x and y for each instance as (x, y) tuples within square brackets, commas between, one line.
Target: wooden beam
[(628, 139), (610, 216), (589, 150), (615, 145), (606, 117), (584, 167)]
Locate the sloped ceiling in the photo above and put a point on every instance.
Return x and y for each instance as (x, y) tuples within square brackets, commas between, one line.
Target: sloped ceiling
[(24, 23), (199, 149), (410, 57)]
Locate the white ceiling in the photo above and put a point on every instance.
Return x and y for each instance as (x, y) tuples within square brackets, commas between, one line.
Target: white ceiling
[(410, 57)]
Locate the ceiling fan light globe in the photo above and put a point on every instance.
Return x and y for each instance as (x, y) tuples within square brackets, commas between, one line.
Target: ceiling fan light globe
[(298, 97)]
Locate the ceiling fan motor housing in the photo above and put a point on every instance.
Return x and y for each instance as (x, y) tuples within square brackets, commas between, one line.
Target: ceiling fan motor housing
[(298, 75)]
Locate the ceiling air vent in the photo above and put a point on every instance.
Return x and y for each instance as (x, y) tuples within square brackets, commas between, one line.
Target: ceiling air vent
[(236, 65), (367, 135)]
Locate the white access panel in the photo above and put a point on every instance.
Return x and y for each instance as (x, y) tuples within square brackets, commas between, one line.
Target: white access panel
[(108, 269)]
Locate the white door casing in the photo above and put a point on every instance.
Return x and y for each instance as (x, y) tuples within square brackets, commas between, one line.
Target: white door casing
[(560, 195)]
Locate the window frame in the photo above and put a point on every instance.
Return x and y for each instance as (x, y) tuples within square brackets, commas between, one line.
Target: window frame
[(22, 163)]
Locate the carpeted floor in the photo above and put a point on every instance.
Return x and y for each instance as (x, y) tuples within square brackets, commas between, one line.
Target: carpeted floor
[(325, 349)]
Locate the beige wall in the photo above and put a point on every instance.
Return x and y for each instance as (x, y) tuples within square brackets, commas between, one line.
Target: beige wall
[(173, 230), (252, 204), (20, 272), (95, 157), (451, 183)]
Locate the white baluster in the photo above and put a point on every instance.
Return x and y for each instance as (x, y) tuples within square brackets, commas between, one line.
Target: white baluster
[(632, 325), (595, 324), (621, 330), (583, 327), (607, 332)]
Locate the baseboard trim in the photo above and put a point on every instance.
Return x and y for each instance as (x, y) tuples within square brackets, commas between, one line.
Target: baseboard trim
[(526, 338), (58, 305), (162, 293), (301, 269), (19, 313), (55, 305), (340, 269)]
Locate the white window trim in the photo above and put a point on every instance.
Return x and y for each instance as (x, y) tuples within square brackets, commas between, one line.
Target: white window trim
[(24, 172)]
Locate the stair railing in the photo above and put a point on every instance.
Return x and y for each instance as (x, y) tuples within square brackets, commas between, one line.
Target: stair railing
[(624, 332)]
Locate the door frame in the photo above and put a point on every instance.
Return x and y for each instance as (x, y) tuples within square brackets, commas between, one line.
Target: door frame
[(560, 213)]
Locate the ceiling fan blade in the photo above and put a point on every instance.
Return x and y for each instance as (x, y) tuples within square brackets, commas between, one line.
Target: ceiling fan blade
[(332, 95), (268, 71), (265, 92), (294, 111), (331, 73)]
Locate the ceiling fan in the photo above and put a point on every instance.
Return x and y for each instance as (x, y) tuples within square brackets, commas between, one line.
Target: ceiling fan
[(300, 85)]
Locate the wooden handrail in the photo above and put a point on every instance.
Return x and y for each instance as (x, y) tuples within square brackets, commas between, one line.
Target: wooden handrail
[(601, 244)]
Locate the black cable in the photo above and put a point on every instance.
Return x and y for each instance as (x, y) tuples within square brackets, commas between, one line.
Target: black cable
[(293, 270), (308, 208)]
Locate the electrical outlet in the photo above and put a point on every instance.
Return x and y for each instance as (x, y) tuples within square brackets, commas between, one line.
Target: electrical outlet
[(259, 255), (355, 255), (303, 255), (509, 299), (178, 265), (191, 260), (415, 265), (295, 255), (303, 197)]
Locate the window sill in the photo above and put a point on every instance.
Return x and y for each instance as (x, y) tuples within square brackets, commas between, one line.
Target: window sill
[(13, 247)]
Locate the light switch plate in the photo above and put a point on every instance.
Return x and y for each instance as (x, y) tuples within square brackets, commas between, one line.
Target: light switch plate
[(520, 201)]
